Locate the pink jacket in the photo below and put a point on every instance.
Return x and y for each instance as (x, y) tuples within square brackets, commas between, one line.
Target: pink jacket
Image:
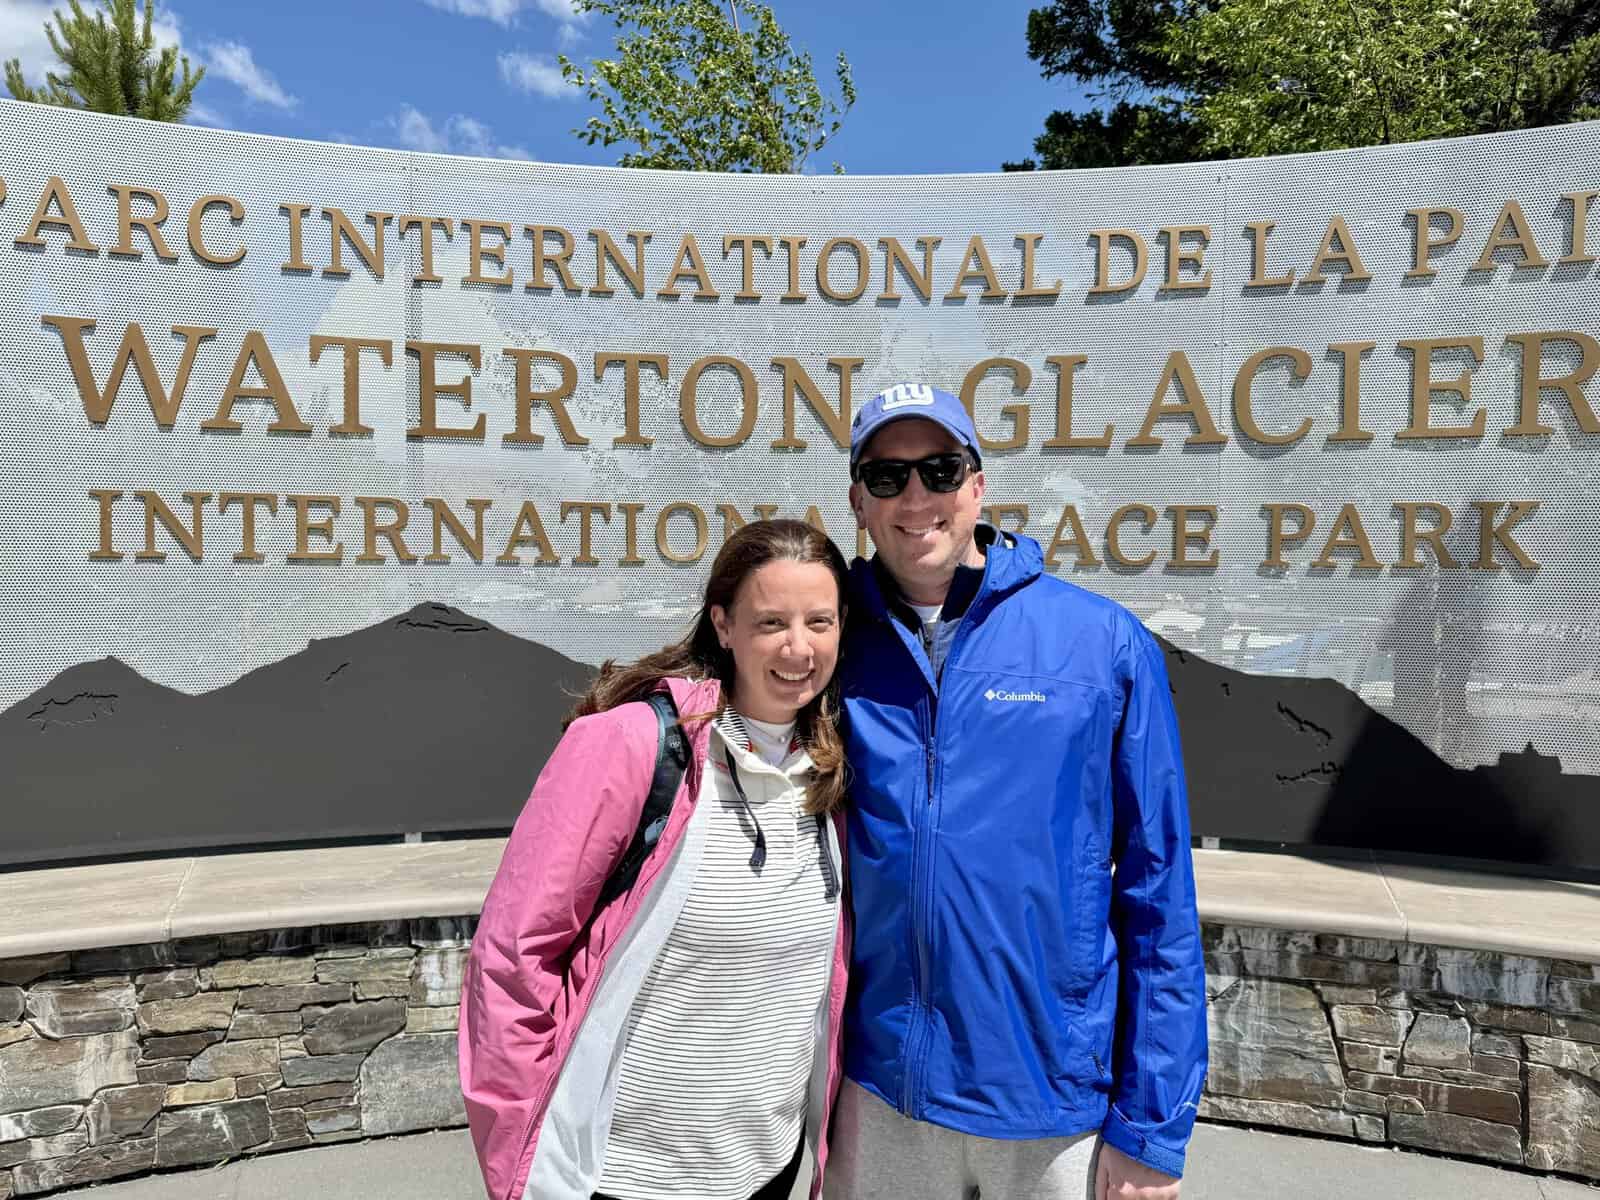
[(540, 1013)]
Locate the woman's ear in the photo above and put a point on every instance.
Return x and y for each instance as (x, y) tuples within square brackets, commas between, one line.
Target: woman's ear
[(720, 622)]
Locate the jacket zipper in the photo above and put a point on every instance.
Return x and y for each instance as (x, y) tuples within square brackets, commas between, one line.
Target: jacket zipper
[(918, 1031)]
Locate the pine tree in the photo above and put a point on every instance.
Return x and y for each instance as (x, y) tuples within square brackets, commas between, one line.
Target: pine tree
[(111, 66)]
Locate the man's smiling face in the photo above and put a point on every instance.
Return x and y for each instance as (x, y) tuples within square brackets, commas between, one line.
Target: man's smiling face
[(923, 536)]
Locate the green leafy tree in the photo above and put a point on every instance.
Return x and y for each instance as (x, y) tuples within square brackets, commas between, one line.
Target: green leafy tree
[(690, 89), (111, 66), (1116, 47), (1199, 79), (1292, 75)]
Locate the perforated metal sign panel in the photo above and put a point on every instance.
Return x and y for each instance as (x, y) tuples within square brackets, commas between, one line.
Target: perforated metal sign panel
[(395, 404)]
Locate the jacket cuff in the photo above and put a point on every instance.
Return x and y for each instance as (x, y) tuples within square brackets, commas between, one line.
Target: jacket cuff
[(1119, 1133)]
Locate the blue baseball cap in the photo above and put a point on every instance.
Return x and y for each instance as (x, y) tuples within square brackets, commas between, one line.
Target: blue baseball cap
[(919, 400)]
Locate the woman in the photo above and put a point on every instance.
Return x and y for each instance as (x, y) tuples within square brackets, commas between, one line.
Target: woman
[(681, 1040)]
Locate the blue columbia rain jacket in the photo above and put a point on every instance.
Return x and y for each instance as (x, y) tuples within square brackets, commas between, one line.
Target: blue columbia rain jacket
[(1027, 951)]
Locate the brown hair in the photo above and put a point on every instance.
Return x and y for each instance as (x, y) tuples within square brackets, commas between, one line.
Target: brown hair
[(699, 655)]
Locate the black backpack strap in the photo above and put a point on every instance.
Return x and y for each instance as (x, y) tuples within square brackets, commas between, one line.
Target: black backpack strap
[(672, 759)]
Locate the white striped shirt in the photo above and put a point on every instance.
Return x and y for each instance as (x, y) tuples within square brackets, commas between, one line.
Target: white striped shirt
[(711, 1087)]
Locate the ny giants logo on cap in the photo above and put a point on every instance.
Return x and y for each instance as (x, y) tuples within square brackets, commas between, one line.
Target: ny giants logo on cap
[(903, 395)]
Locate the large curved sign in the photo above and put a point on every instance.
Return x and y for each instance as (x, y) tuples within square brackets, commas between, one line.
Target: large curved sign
[(328, 472)]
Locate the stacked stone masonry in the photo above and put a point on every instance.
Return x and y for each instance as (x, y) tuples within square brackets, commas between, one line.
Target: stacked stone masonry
[(140, 1058), (122, 1061)]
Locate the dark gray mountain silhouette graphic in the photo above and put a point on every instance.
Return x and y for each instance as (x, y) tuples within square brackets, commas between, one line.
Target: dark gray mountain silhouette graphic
[(435, 721), (431, 721), (1308, 762)]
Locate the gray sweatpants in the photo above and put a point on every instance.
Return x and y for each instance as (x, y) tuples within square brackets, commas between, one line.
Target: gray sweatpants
[(874, 1153)]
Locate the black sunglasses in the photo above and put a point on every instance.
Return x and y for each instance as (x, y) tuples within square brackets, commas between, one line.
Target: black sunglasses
[(886, 477)]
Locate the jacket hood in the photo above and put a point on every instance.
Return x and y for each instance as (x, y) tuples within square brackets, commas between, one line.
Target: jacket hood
[(1011, 561), (695, 697)]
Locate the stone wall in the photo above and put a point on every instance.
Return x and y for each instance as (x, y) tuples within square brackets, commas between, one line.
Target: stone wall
[(120, 1061), (1470, 1053), (116, 1062)]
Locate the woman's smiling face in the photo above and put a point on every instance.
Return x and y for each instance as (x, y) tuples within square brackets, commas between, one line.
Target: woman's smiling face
[(783, 631)]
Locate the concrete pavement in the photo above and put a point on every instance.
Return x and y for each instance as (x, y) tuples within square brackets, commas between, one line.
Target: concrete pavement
[(1224, 1164)]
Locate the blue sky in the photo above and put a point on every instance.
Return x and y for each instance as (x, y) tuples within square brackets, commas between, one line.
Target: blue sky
[(945, 85)]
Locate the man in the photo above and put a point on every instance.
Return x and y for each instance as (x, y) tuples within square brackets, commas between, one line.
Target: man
[(1027, 1008)]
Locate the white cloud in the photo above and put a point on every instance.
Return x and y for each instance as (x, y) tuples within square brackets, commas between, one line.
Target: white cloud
[(504, 12), (234, 62), (457, 134), (22, 34), (200, 114), (534, 75)]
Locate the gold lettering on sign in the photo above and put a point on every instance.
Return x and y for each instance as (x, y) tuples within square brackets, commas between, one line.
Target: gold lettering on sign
[(797, 381), (105, 552), (66, 217), (1569, 385), (1578, 239), (630, 511), (1066, 366), (1338, 246), (134, 349), (630, 390), (1192, 407), (1492, 533), (702, 532), (976, 266), (791, 247), (1259, 232), (149, 222), (1184, 538), (733, 520), (1078, 542), (1423, 385), (297, 216), (304, 527), (561, 260), (1102, 259), (1411, 536), (1179, 257), (477, 252), (255, 351), (587, 510), (1278, 537), (824, 266), (247, 502), (747, 244), (1350, 396), (1510, 231), (155, 509), (197, 216), (444, 518), (896, 256), (1029, 289), (352, 425), (1348, 534), (425, 225), (1424, 243), (429, 389), (689, 413), (1147, 518), (528, 530), (1017, 414), (341, 230), (606, 250), (1243, 411), (390, 530), (689, 265), (554, 398)]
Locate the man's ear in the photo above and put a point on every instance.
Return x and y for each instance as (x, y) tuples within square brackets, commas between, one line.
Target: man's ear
[(977, 485), (858, 504)]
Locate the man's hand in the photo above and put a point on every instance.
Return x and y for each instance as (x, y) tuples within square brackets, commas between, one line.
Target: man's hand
[(1118, 1177)]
